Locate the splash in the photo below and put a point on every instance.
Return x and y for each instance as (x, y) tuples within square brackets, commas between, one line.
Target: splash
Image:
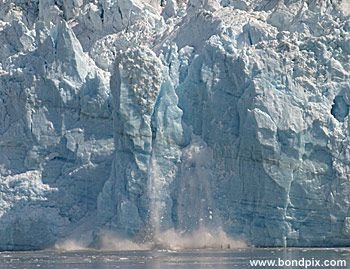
[(112, 242), (202, 238), (69, 245)]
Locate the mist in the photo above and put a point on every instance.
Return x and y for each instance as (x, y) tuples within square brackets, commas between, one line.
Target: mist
[(202, 238)]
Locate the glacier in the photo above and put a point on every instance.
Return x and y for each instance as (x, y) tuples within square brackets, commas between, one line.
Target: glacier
[(147, 119)]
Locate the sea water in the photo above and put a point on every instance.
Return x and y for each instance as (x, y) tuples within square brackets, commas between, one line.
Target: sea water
[(163, 259)]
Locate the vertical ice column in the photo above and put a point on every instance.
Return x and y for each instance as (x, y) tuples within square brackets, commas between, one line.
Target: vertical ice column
[(136, 200), (124, 202)]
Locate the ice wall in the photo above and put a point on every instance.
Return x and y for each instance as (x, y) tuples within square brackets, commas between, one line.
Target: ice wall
[(142, 120)]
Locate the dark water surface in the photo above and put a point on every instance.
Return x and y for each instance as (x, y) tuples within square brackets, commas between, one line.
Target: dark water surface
[(163, 259)]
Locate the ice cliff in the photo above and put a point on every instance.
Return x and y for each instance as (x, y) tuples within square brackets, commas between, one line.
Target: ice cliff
[(140, 117)]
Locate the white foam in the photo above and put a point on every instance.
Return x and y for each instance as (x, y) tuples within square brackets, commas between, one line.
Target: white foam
[(109, 241), (170, 240), (69, 245)]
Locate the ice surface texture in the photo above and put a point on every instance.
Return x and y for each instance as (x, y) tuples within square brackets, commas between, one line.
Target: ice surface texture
[(136, 117)]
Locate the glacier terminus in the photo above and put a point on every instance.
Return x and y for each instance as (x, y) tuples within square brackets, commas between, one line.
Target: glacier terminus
[(155, 121)]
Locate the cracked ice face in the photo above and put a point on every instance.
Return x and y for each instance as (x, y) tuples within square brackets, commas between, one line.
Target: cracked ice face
[(144, 119)]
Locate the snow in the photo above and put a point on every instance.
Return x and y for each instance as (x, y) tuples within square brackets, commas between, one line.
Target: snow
[(154, 121)]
